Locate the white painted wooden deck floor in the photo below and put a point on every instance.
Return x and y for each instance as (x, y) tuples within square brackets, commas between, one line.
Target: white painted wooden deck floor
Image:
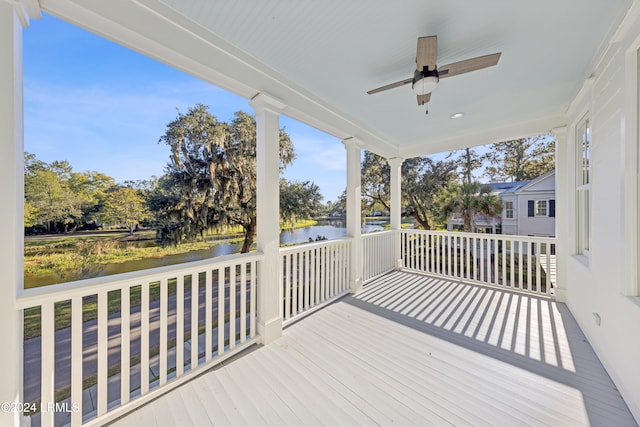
[(409, 350)]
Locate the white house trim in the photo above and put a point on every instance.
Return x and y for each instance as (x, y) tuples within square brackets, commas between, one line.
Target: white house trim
[(11, 216), (354, 220), (395, 170), (267, 115)]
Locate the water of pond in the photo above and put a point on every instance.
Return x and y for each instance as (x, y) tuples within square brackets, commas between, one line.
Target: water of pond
[(329, 229)]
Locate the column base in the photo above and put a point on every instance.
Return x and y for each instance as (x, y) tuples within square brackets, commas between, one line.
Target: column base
[(561, 295), (356, 286), (269, 331)]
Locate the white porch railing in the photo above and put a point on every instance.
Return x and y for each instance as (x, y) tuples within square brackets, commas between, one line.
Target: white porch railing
[(521, 263), (377, 253), (123, 339), (312, 275)]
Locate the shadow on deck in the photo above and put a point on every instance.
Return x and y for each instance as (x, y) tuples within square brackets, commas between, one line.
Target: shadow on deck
[(409, 349)]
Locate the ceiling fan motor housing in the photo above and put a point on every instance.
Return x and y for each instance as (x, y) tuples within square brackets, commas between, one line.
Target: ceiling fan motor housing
[(425, 81)]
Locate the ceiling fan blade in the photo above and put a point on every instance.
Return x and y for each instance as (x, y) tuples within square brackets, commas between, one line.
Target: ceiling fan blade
[(390, 86), (423, 99), (427, 52), (468, 65)]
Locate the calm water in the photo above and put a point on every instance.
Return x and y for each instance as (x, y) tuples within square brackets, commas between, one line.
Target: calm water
[(330, 229)]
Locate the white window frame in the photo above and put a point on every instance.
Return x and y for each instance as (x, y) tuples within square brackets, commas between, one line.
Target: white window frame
[(508, 209), (632, 172), (582, 220), (538, 206)]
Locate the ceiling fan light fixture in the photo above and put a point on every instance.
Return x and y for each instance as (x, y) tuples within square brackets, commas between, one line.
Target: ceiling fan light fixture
[(425, 85), (457, 115)]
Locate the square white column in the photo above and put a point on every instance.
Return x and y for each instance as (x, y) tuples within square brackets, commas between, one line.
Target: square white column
[(354, 219), (269, 292), (395, 170), (12, 17), (563, 234)]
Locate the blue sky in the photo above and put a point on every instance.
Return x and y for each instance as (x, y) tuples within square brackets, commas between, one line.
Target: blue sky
[(103, 107)]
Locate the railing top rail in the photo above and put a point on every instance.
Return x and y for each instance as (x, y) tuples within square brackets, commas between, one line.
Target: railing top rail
[(305, 246), (483, 235), (36, 296), (375, 234)]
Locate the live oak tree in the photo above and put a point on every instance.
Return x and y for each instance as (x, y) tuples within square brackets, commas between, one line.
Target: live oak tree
[(211, 175), (423, 181), (299, 200)]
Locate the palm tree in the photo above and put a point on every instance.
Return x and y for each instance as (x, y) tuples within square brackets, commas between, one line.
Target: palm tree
[(470, 199)]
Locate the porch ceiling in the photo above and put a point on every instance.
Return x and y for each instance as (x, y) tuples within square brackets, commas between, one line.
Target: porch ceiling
[(320, 58)]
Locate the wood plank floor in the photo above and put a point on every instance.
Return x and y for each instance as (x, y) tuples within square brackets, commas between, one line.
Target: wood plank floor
[(408, 350)]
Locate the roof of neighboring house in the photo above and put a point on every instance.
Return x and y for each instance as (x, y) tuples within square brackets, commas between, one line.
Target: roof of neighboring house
[(506, 187), (513, 187), (531, 184)]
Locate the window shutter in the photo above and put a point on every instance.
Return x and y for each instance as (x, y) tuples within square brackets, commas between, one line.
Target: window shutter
[(552, 208), (531, 208)]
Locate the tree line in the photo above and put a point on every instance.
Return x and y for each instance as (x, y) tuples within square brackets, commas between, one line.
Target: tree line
[(209, 184)]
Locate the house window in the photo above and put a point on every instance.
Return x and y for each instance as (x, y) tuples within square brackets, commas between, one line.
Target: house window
[(583, 186), (508, 207), (540, 208)]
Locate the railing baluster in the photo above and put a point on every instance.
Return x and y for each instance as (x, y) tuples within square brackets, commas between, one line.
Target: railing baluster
[(288, 271), (537, 261), (195, 296), (208, 312), (48, 360), (164, 314), (221, 313), (550, 250), (179, 325), (308, 280), (232, 307), (495, 258), (504, 262), (144, 338), (512, 263), (521, 256), (125, 345), (482, 259), (77, 360), (530, 256), (317, 269), (252, 318), (300, 282), (103, 352), (243, 302)]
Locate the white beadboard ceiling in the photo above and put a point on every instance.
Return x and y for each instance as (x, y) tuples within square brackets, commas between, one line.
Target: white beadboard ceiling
[(320, 58)]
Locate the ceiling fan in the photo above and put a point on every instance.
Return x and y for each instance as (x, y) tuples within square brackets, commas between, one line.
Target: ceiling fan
[(425, 78)]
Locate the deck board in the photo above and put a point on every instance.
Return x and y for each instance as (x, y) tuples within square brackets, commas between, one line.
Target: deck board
[(409, 349)]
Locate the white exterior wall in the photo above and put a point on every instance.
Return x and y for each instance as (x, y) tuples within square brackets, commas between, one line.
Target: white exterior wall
[(602, 283), (509, 225), (536, 226)]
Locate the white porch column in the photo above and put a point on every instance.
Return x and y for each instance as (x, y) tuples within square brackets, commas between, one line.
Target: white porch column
[(563, 224), (395, 169), (12, 18), (354, 216), (267, 112)]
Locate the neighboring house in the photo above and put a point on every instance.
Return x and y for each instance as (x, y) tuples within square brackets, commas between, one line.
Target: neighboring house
[(528, 209)]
